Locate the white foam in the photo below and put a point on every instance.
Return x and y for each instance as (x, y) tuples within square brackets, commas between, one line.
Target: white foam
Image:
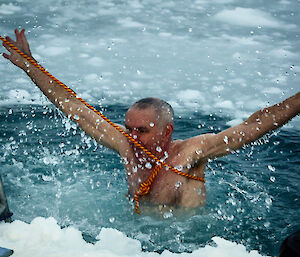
[(44, 237)]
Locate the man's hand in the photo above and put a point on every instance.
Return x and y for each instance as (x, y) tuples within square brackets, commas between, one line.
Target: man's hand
[(22, 44)]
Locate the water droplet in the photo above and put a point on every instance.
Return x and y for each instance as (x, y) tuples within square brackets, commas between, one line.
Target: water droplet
[(158, 149), (226, 140), (148, 165), (198, 151), (272, 179), (151, 124), (168, 215), (179, 167), (268, 201), (112, 220), (271, 168), (178, 184), (125, 160)]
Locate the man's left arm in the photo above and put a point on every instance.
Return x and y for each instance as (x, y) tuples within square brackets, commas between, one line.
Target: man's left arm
[(258, 124)]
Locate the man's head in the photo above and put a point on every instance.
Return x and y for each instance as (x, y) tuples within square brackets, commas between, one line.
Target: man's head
[(150, 121)]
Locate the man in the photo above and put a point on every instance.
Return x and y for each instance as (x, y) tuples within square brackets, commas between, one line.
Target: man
[(150, 122)]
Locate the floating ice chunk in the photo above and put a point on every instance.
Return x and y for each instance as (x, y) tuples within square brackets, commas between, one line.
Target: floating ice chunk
[(225, 104), (47, 239), (92, 77), (52, 50), (202, 2), (280, 53), (122, 246), (9, 9), (272, 90), (129, 23), (236, 55), (190, 95), (249, 17), (165, 34), (234, 122), (218, 88), (95, 61), (19, 94)]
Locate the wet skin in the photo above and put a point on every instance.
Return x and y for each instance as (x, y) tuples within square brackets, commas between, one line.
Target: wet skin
[(168, 188)]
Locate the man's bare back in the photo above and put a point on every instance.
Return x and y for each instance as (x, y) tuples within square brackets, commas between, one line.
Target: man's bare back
[(150, 121)]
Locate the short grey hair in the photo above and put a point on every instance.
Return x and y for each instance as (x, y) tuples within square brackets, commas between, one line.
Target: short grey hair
[(164, 111)]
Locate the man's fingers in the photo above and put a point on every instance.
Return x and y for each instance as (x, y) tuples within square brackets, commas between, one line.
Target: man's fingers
[(5, 56), (17, 33), (10, 40), (6, 46), (24, 41)]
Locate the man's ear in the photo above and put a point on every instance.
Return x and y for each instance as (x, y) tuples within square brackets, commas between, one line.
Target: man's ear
[(169, 130)]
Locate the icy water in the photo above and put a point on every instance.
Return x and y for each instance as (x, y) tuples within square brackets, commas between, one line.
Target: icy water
[(50, 168), (215, 61)]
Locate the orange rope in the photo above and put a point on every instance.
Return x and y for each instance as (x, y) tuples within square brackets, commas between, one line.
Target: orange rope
[(145, 187)]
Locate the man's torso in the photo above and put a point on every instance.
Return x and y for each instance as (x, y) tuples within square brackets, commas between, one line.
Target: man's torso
[(168, 188)]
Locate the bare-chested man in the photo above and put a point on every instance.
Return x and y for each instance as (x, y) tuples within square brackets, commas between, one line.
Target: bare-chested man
[(150, 121)]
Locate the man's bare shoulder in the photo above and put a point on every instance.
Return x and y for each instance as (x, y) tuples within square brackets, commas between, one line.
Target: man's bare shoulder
[(202, 139), (195, 147)]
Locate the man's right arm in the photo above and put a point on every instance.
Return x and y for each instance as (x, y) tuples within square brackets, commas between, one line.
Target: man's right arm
[(73, 108)]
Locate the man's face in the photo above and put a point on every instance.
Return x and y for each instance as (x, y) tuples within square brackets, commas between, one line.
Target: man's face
[(143, 125)]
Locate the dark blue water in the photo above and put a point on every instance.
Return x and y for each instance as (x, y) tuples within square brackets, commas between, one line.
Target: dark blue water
[(50, 168)]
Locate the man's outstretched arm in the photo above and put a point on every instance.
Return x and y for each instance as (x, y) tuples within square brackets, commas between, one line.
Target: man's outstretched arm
[(257, 125), (72, 107)]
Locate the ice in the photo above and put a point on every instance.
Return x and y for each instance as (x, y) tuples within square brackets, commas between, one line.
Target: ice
[(129, 23), (283, 53), (52, 50), (47, 239), (95, 61), (248, 17), (225, 104), (215, 63), (272, 90), (9, 9), (190, 95)]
